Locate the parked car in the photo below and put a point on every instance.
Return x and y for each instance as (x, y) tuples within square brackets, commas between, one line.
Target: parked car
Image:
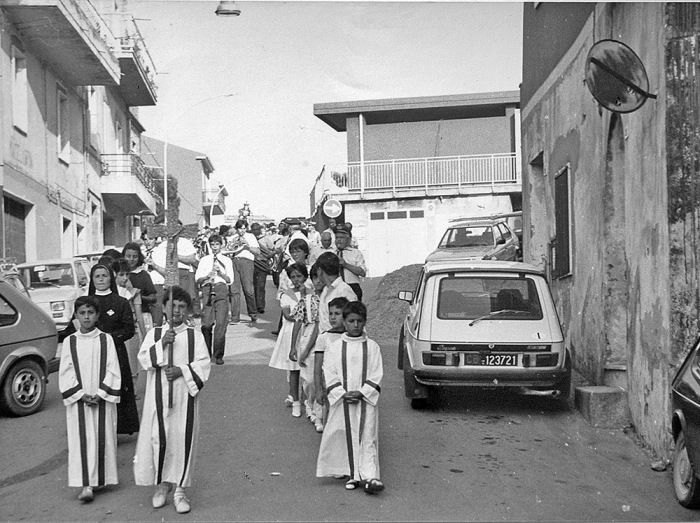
[(94, 256), (10, 274), (27, 352), (477, 239), (685, 429), (55, 284), (481, 324)]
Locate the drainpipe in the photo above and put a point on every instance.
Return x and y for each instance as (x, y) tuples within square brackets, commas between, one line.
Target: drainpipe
[(518, 147), (361, 122)]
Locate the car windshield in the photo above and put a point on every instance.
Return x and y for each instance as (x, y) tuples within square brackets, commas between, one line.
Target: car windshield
[(467, 236), (48, 275), (472, 297)]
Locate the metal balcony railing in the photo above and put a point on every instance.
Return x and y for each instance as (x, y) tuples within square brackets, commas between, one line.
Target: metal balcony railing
[(131, 43), (214, 197), (416, 173), (128, 165)]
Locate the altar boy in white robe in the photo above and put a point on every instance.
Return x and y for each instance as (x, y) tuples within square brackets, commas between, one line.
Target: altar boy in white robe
[(166, 449), (90, 380), (352, 368)]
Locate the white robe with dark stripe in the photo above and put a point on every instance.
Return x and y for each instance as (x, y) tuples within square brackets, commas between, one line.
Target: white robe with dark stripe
[(167, 444), (90, 365), (350, 442)]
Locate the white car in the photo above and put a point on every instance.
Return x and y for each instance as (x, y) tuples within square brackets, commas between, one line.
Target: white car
[(485, 324), (55, 284), (477, 239)]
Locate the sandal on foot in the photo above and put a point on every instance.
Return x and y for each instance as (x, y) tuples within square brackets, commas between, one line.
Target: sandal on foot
[(86, 495), (351, 484), (373, 486)]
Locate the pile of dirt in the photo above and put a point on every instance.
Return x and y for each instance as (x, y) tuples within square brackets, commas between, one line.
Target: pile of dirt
[(385, 312)]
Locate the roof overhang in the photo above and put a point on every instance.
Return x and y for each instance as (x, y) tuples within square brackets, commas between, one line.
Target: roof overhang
[(421, 109)]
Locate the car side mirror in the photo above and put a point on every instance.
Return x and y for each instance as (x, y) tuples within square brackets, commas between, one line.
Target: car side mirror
[(501, 241), (406, 296)]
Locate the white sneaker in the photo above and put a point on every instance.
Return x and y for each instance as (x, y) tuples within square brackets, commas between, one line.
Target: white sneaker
[(288, 401), (296, 409), (319, 425), (161, 494)]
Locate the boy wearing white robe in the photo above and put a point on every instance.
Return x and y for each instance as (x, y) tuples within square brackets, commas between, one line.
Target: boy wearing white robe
[(90, 380), (166, 449), (352, 368)]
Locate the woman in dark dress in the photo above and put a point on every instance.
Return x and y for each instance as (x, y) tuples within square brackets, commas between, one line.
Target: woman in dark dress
[(115, 319), (140, 279)]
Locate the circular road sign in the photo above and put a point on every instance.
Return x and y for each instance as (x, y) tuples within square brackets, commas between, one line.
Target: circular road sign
[(332, 208)]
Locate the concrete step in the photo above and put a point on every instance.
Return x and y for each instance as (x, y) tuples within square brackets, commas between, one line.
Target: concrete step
[(602, 406)]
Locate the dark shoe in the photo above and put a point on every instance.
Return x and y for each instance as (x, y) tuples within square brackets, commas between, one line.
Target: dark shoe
[(373, 486), (219, 361), (253, 319), (261, 311), (275, 333)]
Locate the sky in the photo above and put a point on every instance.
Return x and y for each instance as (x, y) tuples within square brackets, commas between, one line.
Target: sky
[(241, 89)]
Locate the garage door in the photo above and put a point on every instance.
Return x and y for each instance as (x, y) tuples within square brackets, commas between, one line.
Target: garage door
[(395, 239)]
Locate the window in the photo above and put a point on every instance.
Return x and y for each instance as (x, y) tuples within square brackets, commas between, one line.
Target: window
[(562, 216), (63, 125), (417, 214), (20, 91), (93, 105), (8, 314), (396, 215), (376, 216)]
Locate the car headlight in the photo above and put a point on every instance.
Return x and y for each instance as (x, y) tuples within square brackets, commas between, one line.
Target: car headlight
[(58, 306)]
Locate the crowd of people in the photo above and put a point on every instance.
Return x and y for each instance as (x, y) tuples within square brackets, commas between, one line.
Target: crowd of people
[(131, 327)]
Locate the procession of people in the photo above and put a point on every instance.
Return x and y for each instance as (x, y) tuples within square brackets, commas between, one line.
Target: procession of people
[(132, 326)]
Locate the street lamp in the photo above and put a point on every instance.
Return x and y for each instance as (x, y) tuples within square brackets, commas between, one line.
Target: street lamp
[(165, 150), (227, 9)]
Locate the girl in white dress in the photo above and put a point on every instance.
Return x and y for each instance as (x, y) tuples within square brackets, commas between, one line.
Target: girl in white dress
[(285, 348)]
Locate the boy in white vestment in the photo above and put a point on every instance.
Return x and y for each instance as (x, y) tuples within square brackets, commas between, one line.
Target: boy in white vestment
[(90, 380), (166, 449), (352, 368)]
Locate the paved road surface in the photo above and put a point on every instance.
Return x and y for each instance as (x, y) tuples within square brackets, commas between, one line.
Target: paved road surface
[(474, 457)]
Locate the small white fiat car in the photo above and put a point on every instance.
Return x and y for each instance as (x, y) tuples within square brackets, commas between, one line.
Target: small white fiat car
[(481, 323)]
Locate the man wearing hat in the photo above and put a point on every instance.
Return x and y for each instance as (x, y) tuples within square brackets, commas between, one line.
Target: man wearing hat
[(262, 264), (352, 262)]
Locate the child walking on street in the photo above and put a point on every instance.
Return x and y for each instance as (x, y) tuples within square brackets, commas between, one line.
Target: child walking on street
[(177, 363), (284, 354), (325, 340), (352, 368), (306, 314), (89, 380)]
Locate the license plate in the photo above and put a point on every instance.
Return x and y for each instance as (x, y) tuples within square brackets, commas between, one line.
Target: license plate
[(491, 360)]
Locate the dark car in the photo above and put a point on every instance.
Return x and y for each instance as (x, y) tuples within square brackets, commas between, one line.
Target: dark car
[(28, 341), (685, 428)]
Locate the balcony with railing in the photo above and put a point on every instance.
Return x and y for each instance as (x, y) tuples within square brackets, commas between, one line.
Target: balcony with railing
[(71, 36), (413, 177), (138, 69), (126, 184), (214, 201)]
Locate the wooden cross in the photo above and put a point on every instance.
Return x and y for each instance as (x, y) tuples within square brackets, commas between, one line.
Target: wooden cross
[(172, 233)]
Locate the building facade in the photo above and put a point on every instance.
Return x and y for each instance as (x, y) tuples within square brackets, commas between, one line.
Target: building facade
[(610, 200), (416, 163), (73, 72), (197, 191)]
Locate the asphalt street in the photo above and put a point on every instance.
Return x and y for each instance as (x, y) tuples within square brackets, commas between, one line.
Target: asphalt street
[(474, 456)]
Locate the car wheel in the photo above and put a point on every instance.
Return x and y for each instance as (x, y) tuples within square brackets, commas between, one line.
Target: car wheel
[(24, 389), (685, 482), (401, 349), (419, 403), (564, 386)]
